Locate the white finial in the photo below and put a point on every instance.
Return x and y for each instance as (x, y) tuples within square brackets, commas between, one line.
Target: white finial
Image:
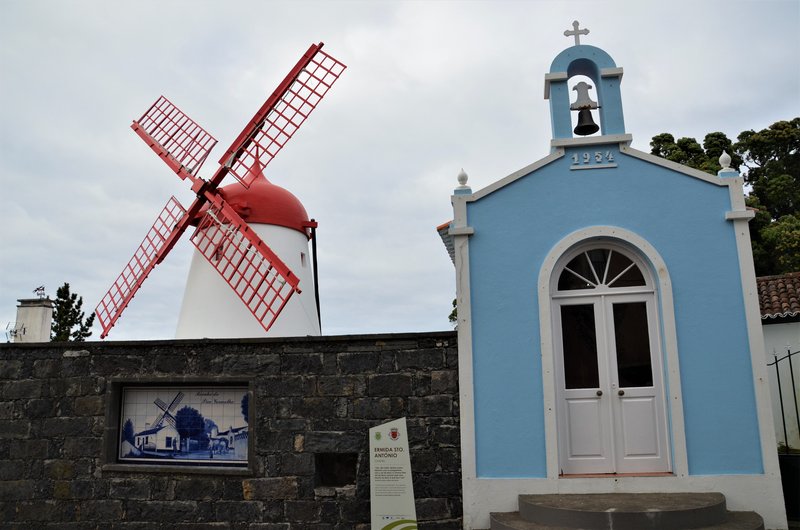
[(462, 178), (725, 161), (462, 188), (576, 32)]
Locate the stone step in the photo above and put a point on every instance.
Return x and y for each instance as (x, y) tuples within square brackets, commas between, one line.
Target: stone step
[(733, 521), (625, 511)]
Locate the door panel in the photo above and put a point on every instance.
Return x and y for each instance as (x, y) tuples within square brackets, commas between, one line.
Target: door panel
[(639, 433), (586, 434)]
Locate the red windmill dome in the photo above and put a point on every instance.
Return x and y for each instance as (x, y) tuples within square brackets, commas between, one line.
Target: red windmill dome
[(266, 203)]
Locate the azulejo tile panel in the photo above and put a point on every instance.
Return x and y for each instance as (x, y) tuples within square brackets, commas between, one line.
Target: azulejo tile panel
[(184, 425)]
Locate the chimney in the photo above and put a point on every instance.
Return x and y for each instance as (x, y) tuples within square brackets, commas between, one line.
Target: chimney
[(34, 317)]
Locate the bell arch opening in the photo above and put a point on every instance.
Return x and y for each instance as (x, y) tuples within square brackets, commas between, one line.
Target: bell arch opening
[(584, 106)]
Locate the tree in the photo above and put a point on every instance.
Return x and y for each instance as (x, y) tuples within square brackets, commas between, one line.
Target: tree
[(127, 432), (190, 424), (69, 323), (772, 159), (769, 161), (689, 152), (783, 236), (246, 407), (453, 316)]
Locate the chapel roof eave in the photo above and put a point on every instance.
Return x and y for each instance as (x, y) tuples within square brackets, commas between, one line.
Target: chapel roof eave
[(673, 166), (516, 175)]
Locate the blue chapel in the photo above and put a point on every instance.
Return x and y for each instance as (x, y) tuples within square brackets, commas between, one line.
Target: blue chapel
[(608, 321)]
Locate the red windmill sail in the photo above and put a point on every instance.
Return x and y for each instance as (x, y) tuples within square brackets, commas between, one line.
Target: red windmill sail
[(257, 275)]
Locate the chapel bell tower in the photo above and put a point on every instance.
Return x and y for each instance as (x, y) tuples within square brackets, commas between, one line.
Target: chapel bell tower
[(604, 76)]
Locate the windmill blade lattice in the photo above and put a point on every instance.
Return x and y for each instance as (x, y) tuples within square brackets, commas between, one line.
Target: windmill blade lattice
[(174, 137), (282, 114), (166, 410), (257, 275), (172, 406), (167, 228)]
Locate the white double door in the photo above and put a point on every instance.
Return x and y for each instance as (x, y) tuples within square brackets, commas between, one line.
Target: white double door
[(610, 398)]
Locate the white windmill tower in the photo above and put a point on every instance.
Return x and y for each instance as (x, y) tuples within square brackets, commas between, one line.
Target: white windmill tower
[(211, 309), (234, 222)]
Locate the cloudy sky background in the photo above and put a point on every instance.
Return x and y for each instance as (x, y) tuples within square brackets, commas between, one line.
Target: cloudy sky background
[(431, 87)]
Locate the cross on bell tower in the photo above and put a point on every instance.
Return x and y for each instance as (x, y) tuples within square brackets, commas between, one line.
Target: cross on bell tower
[(575, 32)]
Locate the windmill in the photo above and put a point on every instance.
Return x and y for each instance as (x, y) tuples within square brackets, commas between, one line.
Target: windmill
[(167, 411), (251, 269)]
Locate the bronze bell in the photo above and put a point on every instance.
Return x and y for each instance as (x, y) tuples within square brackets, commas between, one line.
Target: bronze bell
[(586, 124)]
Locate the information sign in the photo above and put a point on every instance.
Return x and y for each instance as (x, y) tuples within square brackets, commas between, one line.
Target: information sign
[(391, 489)]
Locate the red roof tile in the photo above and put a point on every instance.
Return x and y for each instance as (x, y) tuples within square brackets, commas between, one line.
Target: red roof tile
[(779, 296)]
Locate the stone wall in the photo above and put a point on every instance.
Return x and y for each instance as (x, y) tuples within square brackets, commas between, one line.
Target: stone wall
[(310, 397)]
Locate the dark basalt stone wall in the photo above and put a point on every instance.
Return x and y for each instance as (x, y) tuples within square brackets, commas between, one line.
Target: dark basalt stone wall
[(312, 403)]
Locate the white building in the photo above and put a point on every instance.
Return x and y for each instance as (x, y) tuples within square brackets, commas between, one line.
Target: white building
[(779, 297), (163, 437)]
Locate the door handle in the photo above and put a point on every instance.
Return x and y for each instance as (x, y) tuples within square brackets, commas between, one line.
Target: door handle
[(621, 392), (599, 392)]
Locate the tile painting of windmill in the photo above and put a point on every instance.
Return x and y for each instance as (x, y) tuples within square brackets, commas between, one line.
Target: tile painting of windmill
[(184, 425)]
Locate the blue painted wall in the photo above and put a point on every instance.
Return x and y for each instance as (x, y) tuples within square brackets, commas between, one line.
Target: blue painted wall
[(684, 219)]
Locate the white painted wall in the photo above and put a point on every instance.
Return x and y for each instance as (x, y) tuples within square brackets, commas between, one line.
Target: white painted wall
[(212, 309), (778, 340)]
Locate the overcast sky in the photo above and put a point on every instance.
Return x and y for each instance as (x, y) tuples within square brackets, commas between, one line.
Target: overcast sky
[(431, 87)]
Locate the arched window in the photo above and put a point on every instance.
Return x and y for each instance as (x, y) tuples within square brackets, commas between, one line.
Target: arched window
[(600, 268)]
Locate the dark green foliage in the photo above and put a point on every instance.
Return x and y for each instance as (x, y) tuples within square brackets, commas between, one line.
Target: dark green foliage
[(689, 152), (453, 316), (69, 323), (769, 160), (782, 237), (127, 432)]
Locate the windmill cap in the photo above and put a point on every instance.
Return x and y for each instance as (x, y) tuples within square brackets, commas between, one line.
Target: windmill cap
[(265, 203)]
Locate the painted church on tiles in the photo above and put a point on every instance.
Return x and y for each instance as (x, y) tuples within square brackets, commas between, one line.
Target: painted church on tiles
[(609, 330)]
